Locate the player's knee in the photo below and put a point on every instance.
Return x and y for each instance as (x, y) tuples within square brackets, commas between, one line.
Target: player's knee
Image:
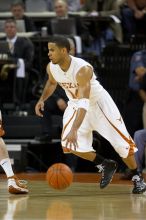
[(125, 151)]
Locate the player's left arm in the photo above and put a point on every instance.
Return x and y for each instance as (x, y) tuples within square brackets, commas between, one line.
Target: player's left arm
[(83, 78)]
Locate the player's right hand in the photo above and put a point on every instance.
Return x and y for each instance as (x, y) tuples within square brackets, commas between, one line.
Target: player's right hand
[(39, 108)]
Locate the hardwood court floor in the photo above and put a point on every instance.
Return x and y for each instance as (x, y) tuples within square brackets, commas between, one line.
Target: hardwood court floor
[(83, 200)]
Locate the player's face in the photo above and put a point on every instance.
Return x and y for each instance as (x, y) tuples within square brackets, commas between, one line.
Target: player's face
[(55, 53)]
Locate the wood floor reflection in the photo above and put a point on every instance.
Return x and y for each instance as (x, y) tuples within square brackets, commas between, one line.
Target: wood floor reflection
[(81, 201)]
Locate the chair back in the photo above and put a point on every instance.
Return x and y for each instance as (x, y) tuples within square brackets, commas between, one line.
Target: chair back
[(63, 26), (35, 6)]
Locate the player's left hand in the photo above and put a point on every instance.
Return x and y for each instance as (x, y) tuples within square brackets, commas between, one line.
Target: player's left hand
[(39, 108), (71, 140)]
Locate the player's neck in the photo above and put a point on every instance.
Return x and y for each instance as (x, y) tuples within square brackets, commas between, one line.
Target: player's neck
[(65, 64)]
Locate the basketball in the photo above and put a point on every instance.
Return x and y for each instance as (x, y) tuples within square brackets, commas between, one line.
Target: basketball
[(59, 176)]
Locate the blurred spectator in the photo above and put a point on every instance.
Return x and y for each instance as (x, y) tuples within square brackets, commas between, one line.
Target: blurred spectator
[(140, 141), (18, 9), (50, 5), (55, 105), (137, 88), (22, 54), (76, 5), (61, 10), (108, 8), (136, 107), (141, 76), (73, 5), (134, 18)]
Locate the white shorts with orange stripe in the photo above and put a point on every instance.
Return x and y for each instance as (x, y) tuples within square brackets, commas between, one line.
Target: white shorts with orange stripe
[(105, 118)]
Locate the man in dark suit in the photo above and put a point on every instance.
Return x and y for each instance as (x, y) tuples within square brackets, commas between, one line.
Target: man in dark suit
[(18, 9), (22, 54)]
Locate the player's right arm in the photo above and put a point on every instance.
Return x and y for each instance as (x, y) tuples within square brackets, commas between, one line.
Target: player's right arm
[(48, 90)]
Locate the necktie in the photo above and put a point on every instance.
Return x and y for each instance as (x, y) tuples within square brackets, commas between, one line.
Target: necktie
[(11, 46)]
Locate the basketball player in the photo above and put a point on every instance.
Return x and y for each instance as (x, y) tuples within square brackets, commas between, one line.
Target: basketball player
[(15, 186), (90, 108)]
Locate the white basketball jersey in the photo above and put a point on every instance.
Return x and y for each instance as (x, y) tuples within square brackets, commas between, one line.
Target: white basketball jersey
[(67, 80)]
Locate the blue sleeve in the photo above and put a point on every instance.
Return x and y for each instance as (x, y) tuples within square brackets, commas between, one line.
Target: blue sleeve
[(136, 61)]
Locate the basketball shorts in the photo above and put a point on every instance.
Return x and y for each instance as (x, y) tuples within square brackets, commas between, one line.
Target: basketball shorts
[(104, 117)]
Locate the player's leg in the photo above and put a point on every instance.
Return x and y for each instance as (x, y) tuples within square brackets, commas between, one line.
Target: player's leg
[(85, 149), (107, 167), (15, 186), (111, 126), (139, 184)]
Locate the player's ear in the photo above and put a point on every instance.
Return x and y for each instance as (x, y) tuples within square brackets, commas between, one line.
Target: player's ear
[(64, 50)]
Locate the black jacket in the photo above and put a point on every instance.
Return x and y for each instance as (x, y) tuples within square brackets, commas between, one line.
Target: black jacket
[(23, 48)]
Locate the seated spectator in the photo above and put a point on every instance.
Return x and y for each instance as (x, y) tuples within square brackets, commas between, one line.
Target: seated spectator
[(134, 104), (141, 77), (108, 8), (73, 5), (55, 105), (140, 141), (18, 9), (134, 18), (61, 10), (22, 54)]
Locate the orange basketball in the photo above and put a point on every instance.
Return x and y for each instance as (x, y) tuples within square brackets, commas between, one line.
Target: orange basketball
[(59, 176)]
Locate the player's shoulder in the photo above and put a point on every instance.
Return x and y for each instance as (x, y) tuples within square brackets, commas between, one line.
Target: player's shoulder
[(48, 67), (78, 60)]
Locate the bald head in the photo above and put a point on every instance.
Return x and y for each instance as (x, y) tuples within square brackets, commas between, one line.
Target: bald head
[(61, 8)]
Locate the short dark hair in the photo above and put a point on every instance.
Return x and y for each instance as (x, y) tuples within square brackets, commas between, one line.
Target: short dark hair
[(10, 20), (18, 3), (60, 41)]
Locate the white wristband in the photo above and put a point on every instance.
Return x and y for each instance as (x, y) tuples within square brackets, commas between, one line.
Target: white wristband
[(83, 103)]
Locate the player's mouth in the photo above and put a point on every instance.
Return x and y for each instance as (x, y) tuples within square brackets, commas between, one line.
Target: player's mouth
[(51, 59)]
